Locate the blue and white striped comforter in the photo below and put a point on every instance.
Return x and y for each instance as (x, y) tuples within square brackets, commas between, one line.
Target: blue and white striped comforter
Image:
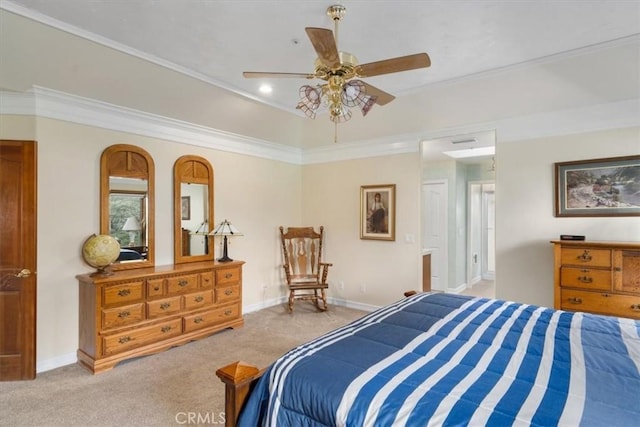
[(439, 359)]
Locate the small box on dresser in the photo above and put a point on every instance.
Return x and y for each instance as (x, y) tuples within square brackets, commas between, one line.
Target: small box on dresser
[(137, 312), (597, 277)]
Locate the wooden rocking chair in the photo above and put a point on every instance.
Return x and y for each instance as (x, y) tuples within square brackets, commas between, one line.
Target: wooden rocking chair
[(304, 270)]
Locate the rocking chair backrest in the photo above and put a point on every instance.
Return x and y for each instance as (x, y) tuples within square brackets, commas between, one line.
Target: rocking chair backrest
[(302, 252)]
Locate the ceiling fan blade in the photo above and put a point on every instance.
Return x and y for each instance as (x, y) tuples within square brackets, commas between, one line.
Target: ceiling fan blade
[(382, 97), (325, 45), (394, 65), (257, 74)]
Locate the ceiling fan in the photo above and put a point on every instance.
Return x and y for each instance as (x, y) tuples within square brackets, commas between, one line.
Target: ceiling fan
[(341, 72)]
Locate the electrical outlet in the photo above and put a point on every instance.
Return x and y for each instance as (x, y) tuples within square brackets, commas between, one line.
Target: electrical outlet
[(363, 289), (341, 285)]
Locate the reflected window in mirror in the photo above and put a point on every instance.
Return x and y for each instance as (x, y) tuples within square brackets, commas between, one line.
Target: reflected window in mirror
[(193, 215), (127, 204)]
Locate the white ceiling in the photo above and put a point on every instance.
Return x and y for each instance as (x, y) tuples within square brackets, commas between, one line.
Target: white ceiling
[(215, 41)]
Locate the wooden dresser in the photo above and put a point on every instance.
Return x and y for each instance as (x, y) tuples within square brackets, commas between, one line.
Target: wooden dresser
[(597, 277), (143, 311)]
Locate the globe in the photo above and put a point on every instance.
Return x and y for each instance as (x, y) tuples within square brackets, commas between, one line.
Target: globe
[(100, 251)]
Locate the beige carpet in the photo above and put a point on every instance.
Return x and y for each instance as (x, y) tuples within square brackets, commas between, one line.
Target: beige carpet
[(176, 387)]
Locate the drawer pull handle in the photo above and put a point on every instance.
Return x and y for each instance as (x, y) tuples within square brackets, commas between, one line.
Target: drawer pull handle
[(228, 275), (606, 295), (199, 298), (156, 288), (124, 292), (165, 305), (585, 279), (575, 300), (635, 307), (183, 282), (124, 314), (124, 340), (165, 329), (228, 292), (228, 312), (198, 320), (585, 257)]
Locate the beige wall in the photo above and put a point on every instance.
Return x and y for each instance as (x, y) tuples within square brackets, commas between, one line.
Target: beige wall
[(332, 198), (525, 221), (68, 212), (259, 195)]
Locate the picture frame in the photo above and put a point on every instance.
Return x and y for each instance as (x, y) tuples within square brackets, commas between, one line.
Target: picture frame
[(186, 207), (598, 187), (378, 212)]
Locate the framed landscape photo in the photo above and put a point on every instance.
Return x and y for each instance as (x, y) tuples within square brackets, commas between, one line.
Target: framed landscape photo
[(378, 212), (598, 187)]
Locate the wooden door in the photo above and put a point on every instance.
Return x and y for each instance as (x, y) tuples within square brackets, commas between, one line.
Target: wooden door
[(17, 260)]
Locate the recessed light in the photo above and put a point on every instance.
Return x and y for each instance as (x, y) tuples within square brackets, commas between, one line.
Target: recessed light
[(471, 152), (265, 89)]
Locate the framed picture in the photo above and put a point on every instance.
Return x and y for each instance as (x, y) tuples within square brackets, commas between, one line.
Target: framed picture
[(378, 212), (186, 207), (599, 187)]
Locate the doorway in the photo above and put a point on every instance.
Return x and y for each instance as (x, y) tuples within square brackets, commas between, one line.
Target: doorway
[(17, 260), (481, 237)]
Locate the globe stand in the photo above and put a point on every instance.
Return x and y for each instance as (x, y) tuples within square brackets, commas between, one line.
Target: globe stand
[(102, 272)]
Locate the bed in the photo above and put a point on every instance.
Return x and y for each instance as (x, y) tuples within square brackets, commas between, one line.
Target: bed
[(442, 359)]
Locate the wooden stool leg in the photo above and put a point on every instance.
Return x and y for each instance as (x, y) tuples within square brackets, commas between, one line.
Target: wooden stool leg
[(291, 296)]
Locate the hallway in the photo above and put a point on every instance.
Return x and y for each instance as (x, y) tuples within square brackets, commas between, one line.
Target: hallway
[(483, 288)]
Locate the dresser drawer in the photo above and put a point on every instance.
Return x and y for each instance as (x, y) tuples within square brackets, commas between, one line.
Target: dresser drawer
[(163, 307), (138, 337), (121, 294), (182, 284), (227, 293), (155, 288), (197, 300), (211, 317), (585, 278), (122, 316), (206, 279), (586, 256), (601, 302), (226, 276)]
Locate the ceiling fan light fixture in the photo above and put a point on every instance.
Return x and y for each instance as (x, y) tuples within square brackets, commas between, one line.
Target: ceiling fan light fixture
[(309, 100), (338, 69)]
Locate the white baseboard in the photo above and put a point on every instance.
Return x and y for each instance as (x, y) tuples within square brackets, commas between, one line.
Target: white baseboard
[(56, 362), (457, 289), (71, 358)]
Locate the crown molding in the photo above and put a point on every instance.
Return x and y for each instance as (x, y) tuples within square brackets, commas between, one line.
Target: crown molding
[(43, 102), (52, 104)]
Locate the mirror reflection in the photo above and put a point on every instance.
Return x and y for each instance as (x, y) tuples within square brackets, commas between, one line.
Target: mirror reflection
[(127, 204), (128, 208), (194, 219), (193, 209)]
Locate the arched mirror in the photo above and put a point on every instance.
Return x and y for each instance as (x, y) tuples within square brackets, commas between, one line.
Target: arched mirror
[(193, 209), (127, 203)]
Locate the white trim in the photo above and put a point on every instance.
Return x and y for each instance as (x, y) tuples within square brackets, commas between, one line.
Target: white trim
[(458, 289), (49, 103), (56, 362)]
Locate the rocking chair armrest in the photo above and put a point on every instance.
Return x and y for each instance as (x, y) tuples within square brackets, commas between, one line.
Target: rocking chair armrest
[(326, 264)]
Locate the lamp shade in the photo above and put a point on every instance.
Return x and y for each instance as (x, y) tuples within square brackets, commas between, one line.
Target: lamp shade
[(225, 228), (131, 224)]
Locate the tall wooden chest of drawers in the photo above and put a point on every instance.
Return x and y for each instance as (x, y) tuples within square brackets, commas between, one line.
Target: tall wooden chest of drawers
[(144, 311), (597, 277)]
